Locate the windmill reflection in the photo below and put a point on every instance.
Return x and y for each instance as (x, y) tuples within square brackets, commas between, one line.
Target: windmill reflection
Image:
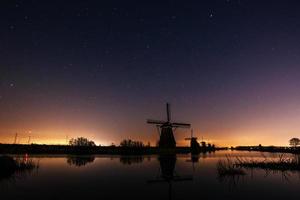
[(194, 159), (80, 161), (167, 172)]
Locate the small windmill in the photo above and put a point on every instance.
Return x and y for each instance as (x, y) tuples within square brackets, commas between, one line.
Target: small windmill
[(203, 143), (195, 147), (166, 129)]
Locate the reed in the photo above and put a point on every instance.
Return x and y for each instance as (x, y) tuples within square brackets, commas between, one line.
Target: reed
[(229, 168), (282, 163)]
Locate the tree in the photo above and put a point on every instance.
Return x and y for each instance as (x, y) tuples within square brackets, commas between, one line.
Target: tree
[(131, 143), (81, 141), (294, 142)]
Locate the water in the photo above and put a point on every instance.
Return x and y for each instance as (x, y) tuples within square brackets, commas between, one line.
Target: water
[(147, 177)]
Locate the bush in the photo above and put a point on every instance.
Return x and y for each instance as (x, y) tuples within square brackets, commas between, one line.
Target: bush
[(81, 141), (131, 143)]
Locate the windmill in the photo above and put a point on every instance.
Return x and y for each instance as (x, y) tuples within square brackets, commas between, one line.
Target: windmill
[(166, 128), (203, 143), (195, 147)]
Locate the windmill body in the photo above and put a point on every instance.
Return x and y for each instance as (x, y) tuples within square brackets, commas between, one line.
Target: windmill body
[(166, 129), (194, 144)]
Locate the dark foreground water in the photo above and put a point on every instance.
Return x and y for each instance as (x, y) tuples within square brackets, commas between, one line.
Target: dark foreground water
[(146, 177)]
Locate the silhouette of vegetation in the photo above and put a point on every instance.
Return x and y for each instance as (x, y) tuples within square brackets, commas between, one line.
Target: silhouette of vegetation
[(282, 163), (294, 142), (128, 160), (80, 161), (10, 166), (81, 141), (229, 172), (131, 144), (228, 168)]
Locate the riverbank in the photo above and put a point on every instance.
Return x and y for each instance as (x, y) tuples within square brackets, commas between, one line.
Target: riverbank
[(66, 149), (272, 149)]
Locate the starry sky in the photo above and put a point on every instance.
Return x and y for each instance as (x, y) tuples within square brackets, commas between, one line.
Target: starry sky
[(99, 69)]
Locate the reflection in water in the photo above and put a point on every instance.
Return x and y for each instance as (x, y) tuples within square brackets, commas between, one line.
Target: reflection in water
[(128, 160), (231, 180), (194, 159), (232, 170), (168, 173), (80, 161), (13, 168), (115, 178)]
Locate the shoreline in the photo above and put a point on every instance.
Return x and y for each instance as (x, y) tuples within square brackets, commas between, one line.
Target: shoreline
[(100, 150), (269, 149)]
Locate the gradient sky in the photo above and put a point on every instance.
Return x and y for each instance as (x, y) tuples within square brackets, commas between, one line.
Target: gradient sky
[(99, 69)]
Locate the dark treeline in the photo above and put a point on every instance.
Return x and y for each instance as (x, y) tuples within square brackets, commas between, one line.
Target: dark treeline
[(294, 147)]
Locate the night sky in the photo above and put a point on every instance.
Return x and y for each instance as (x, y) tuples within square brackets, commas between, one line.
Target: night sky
[(99, 69)]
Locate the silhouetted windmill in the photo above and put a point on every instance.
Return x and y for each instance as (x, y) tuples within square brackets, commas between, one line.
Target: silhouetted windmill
[(166, 128), (203, 143), (195, 147)]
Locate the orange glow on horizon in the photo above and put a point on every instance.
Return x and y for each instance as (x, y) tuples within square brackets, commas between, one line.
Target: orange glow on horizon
[(220, 141)]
